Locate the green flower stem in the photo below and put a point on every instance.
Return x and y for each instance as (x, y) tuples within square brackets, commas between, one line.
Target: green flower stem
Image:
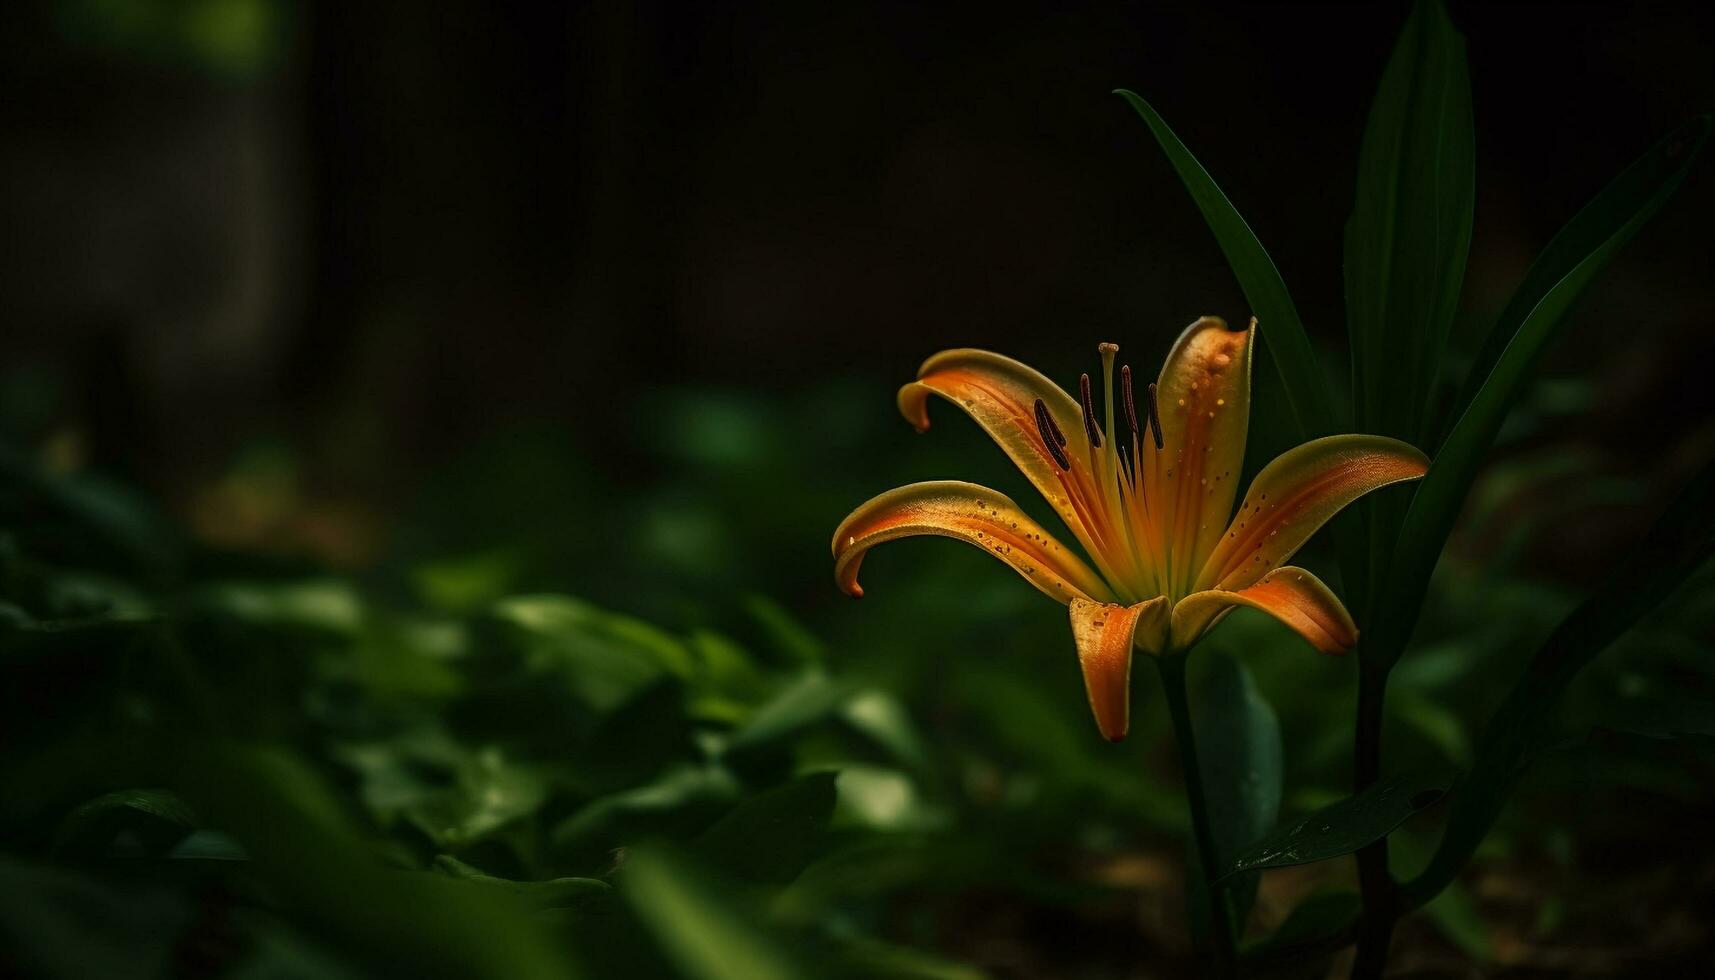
[(1172, 666), (1380, 893)]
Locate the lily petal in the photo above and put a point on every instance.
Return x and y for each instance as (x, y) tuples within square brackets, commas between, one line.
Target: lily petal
[(1000, 394), (1204, 396), (1105, 634), (969, 513), (1289, 594), (1298, 493)]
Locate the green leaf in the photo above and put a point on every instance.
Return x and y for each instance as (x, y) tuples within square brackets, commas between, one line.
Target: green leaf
[(155, 818), (705, 933), (772, 836), (305, 849), (1410, 229), (490, 793), (810, 699), (1343, 827), (572, 894), (1567, 266), (682, 800), (1679, 542), (1406, 246), (886, 721), (1280, 331), (606, 658), (1238, 741)]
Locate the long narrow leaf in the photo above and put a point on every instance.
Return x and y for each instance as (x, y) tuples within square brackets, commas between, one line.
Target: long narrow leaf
[(1630, 198), (1679, 542), (1410, 229), (1639, 192), (1406, 244), (1281, 332)]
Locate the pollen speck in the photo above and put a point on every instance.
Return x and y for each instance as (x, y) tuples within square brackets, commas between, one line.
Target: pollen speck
[(1220, 401)]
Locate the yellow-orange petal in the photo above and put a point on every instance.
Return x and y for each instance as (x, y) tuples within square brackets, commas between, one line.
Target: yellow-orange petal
[(1289, 594), (1298, 493), (969, 513), (1000, 394), (1204, 395), (1106, 633)]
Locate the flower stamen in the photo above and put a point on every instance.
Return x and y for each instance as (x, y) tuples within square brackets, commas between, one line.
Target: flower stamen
[(1091, 429), (1155, 418), (1052, 437)]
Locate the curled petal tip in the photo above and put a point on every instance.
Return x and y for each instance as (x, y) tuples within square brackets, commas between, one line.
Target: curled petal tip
[(1115, 737)]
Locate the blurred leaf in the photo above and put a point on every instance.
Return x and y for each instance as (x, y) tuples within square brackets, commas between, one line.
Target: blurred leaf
[(156, 818), (699, 925), (1566, 267), (208, 845), (789, 635), (811, 698), (1679, 542), (880, 798), (681, 801), (1238, 743), (726, 668), (318, 605), (575, 894), (1433, 725), (72, 517), (1344, 827), (606, 658), (884, 719), (770, 837), (1280, 331), (638, 740), (305, 847), (490, 792), (1410, 229), (1020, 715), (466, 584)]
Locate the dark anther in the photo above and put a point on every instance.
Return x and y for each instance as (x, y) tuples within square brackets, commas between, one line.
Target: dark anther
[(1130, 402), (1091, 429), (1051, 435), (1155, 419)]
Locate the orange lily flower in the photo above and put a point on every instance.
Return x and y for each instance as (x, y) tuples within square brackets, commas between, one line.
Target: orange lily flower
[(1150, 507)]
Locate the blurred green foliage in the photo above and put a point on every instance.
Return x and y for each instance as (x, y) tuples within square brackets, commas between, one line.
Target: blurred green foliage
[(228, 764)]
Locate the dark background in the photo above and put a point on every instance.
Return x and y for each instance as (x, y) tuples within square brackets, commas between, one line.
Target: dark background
[(380, 233), (612, 300)]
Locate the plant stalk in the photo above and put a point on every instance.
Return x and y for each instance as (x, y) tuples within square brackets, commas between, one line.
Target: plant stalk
[(1380, 893), (1172, 667)]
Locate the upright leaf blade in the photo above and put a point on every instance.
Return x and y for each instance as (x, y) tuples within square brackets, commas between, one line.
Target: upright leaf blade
[(1583, 250), (1282, 333), (1617, 212), (1410, 229), (1406, 246)]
